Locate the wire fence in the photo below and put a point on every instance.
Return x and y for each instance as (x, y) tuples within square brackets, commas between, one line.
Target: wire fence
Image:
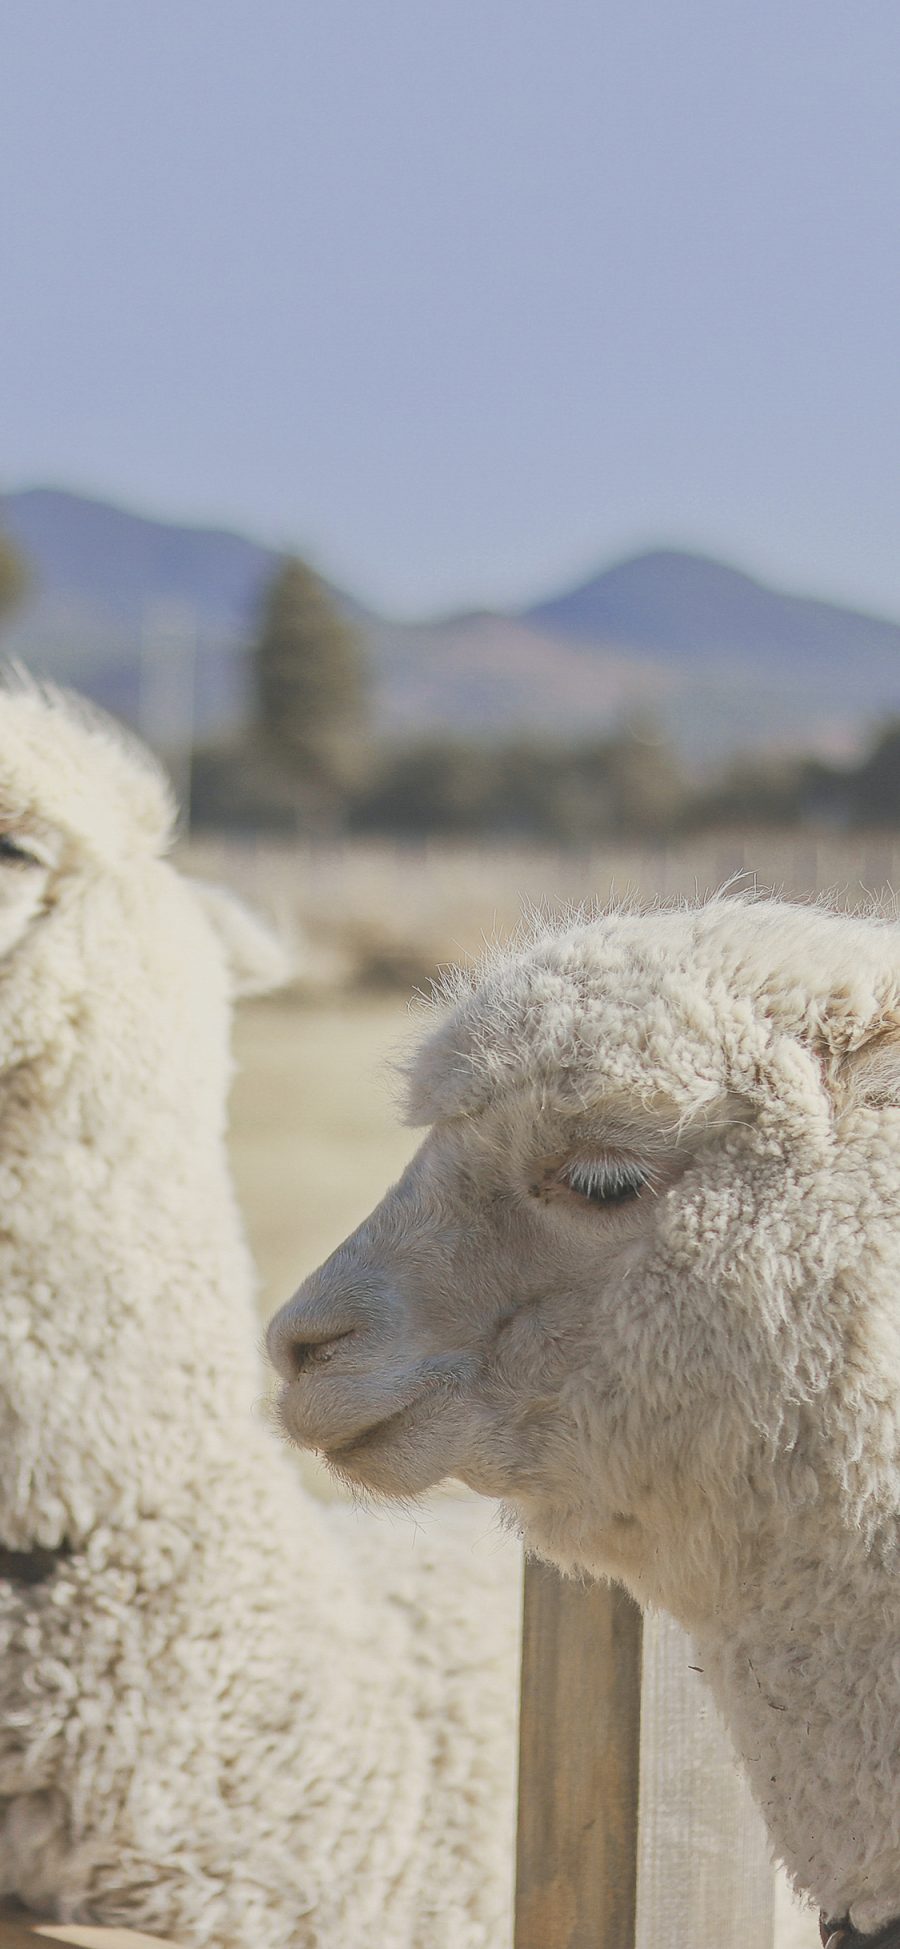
[(394, 913)]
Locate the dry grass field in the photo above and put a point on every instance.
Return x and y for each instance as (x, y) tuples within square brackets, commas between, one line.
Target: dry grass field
[(367, 915), (315, 1135)]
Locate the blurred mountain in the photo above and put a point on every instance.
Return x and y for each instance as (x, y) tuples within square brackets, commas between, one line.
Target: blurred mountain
[(689, 608), (754, 665), (89, 553), (722, 661)]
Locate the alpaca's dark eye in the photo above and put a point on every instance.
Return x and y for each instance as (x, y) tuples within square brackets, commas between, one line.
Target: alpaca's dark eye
[(605, 1181), (15, 854)]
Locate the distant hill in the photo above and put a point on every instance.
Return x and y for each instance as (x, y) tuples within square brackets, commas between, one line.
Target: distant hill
[(721, 660), (754, 664), (689, 608), (94, 555)]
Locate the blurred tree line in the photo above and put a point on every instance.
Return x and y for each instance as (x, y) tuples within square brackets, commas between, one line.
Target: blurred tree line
[(313, 764)]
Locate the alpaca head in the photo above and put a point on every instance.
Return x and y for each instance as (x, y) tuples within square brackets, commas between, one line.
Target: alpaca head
[(638, 1280)]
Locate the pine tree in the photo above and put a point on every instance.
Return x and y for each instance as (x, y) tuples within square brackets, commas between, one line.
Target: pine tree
[(312, 689), (13, 576)]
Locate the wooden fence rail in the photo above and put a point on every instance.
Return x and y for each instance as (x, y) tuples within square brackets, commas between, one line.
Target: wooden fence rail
[(636, 1829), (18, 1935), (579, 1743)]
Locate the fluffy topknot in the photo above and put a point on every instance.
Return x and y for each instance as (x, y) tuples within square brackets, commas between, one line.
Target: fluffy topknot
[(612, 988)]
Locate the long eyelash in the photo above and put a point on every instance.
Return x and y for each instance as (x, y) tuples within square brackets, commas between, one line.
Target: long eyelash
[(606, 1181)]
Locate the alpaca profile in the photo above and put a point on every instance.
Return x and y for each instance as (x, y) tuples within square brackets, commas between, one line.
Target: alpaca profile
[(642, 1281), (228, 1715)]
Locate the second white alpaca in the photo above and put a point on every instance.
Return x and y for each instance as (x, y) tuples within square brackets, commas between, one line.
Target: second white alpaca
[(227, 1715)]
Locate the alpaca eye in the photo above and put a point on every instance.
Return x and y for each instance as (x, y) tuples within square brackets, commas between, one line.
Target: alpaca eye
[(607, 1181), (15, 854)]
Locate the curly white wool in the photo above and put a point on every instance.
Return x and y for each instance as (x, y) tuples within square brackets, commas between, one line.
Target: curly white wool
[(229, 1715)]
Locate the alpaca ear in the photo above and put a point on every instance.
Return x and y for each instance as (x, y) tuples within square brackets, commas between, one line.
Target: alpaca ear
[(871, 1072), (257, 959)]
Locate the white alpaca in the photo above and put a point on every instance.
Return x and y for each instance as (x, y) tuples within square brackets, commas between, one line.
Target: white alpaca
[(227, 1714), (642, 1281)]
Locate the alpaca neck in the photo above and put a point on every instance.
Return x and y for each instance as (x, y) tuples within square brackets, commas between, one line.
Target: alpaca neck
[(804, 1669)]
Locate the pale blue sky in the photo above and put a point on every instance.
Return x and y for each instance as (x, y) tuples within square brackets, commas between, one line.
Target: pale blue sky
[(464, 297)]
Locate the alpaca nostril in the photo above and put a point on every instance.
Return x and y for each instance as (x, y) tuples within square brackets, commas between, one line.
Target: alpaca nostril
[(300, 1355), (304, 1335)]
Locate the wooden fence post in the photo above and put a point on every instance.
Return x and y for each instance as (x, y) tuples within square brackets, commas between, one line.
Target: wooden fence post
[(579, 1747)]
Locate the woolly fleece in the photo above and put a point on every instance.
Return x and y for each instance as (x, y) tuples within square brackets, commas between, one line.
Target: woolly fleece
[(230, 1716)]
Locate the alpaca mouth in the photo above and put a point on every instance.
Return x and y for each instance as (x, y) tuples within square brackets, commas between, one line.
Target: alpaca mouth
[(333, 1421), (371, 1436)]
